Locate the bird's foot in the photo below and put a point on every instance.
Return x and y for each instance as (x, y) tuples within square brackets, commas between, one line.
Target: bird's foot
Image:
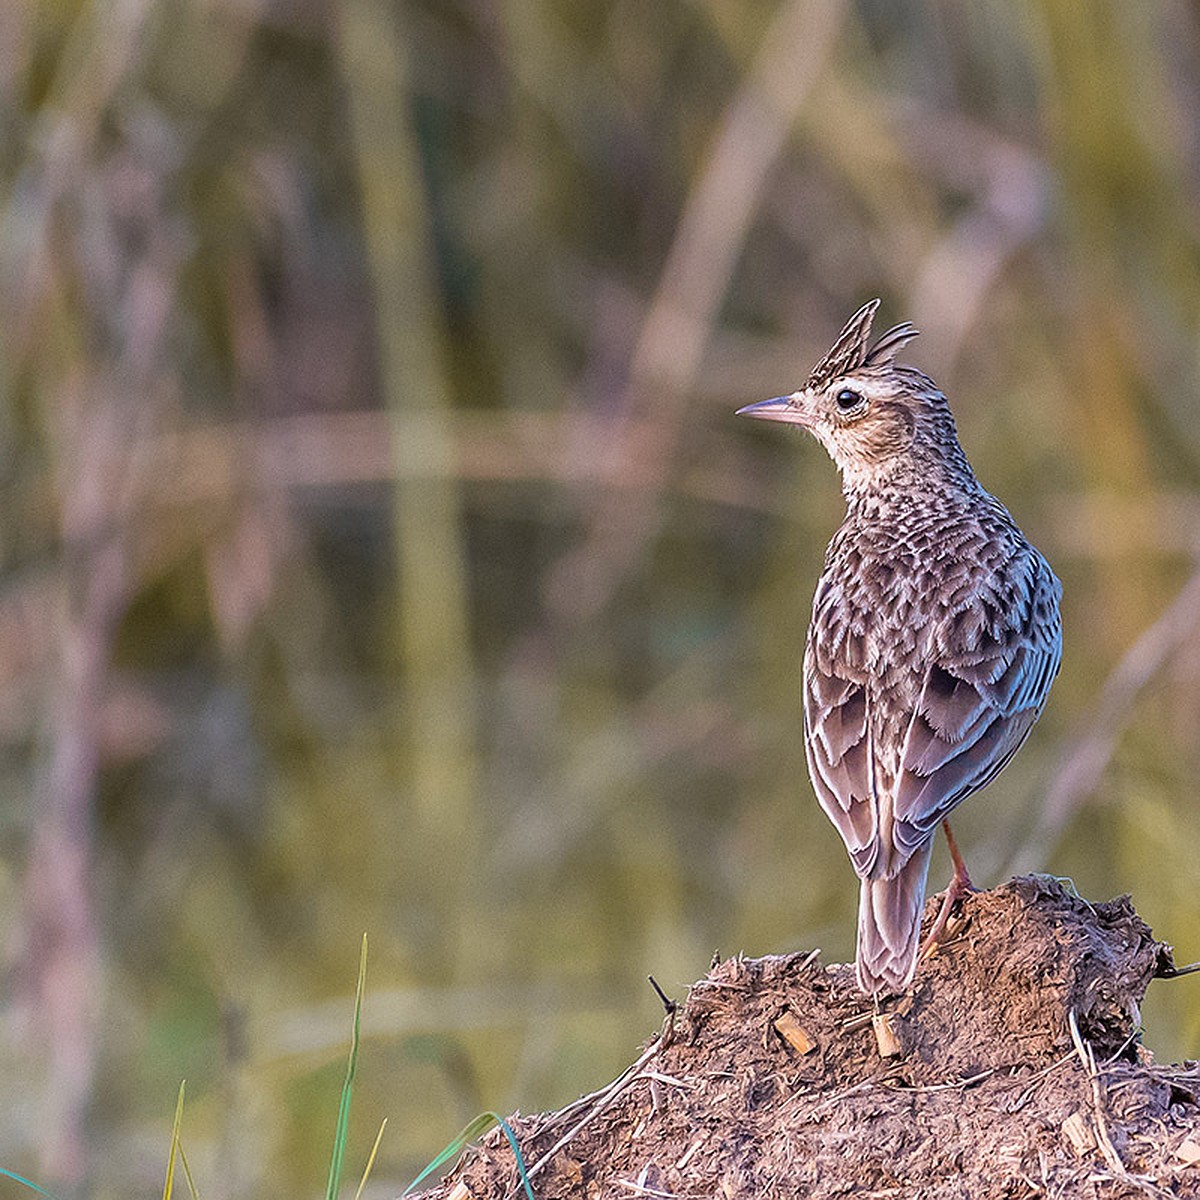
[(960, 885), (943, 928)]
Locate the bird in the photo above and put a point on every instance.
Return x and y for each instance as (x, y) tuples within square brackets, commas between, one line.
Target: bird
[(935, 635)]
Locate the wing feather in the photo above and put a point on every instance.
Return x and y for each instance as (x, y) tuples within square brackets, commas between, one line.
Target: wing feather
[(994, 666), (840, 754)]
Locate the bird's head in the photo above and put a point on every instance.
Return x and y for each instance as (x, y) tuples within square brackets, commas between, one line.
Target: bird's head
[(875, 418)]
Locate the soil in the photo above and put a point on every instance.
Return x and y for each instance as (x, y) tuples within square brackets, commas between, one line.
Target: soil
[(1011, 1069)]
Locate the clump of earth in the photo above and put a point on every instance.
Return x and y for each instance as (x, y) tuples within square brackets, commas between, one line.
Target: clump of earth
[(1011, 1069)]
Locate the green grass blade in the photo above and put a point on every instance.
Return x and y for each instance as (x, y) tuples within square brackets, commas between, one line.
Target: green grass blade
[(506, 1128), (169, 1182), (362, 1183), (477, 1128), (343, 1119), (33, 1187), (187, 1171)]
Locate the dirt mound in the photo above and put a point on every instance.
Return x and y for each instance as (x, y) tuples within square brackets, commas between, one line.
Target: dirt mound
[(1012, 1069)]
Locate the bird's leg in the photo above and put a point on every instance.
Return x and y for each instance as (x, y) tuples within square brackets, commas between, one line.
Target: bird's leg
[(960, 885), (960, 880)]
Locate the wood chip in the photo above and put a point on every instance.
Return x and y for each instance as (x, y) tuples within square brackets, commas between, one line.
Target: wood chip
[(954, 926), (796, 1036), (687, 1154), (886, 1037), (1077, 1130), (460, 1191), (1189, 1151)]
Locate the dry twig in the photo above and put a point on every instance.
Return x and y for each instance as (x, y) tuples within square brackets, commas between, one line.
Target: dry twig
[(1088, 1059)]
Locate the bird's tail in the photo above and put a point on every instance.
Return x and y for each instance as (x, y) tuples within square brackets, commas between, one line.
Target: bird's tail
[(889, 925)]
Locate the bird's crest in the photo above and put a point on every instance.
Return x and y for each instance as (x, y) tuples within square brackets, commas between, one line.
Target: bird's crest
[(850, 350)]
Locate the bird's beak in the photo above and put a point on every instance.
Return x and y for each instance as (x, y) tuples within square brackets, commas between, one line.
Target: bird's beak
[(781, 408)]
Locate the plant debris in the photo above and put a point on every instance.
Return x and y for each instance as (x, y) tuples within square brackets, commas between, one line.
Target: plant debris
[(1012, 1069)]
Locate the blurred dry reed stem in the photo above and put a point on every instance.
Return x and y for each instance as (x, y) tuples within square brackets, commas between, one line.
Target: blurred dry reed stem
[(704, 253), (94, 409), (1087, 753), (433, 627)]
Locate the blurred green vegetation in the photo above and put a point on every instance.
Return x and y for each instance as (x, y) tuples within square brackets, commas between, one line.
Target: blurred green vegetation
[(380, 551)]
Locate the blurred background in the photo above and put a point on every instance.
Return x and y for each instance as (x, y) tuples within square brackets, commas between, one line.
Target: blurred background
[(380, 551)]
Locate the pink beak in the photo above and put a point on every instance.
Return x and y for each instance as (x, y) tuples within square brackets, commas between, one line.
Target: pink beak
[(781, 408)]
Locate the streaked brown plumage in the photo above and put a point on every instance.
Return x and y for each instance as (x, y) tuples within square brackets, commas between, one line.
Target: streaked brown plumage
[(935, 631)]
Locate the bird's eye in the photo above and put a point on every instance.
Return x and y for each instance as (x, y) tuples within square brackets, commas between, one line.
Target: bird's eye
[(848, 399)]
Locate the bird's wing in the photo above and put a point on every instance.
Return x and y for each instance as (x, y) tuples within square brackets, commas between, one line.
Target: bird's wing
[(993, 658), (837, 731)]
